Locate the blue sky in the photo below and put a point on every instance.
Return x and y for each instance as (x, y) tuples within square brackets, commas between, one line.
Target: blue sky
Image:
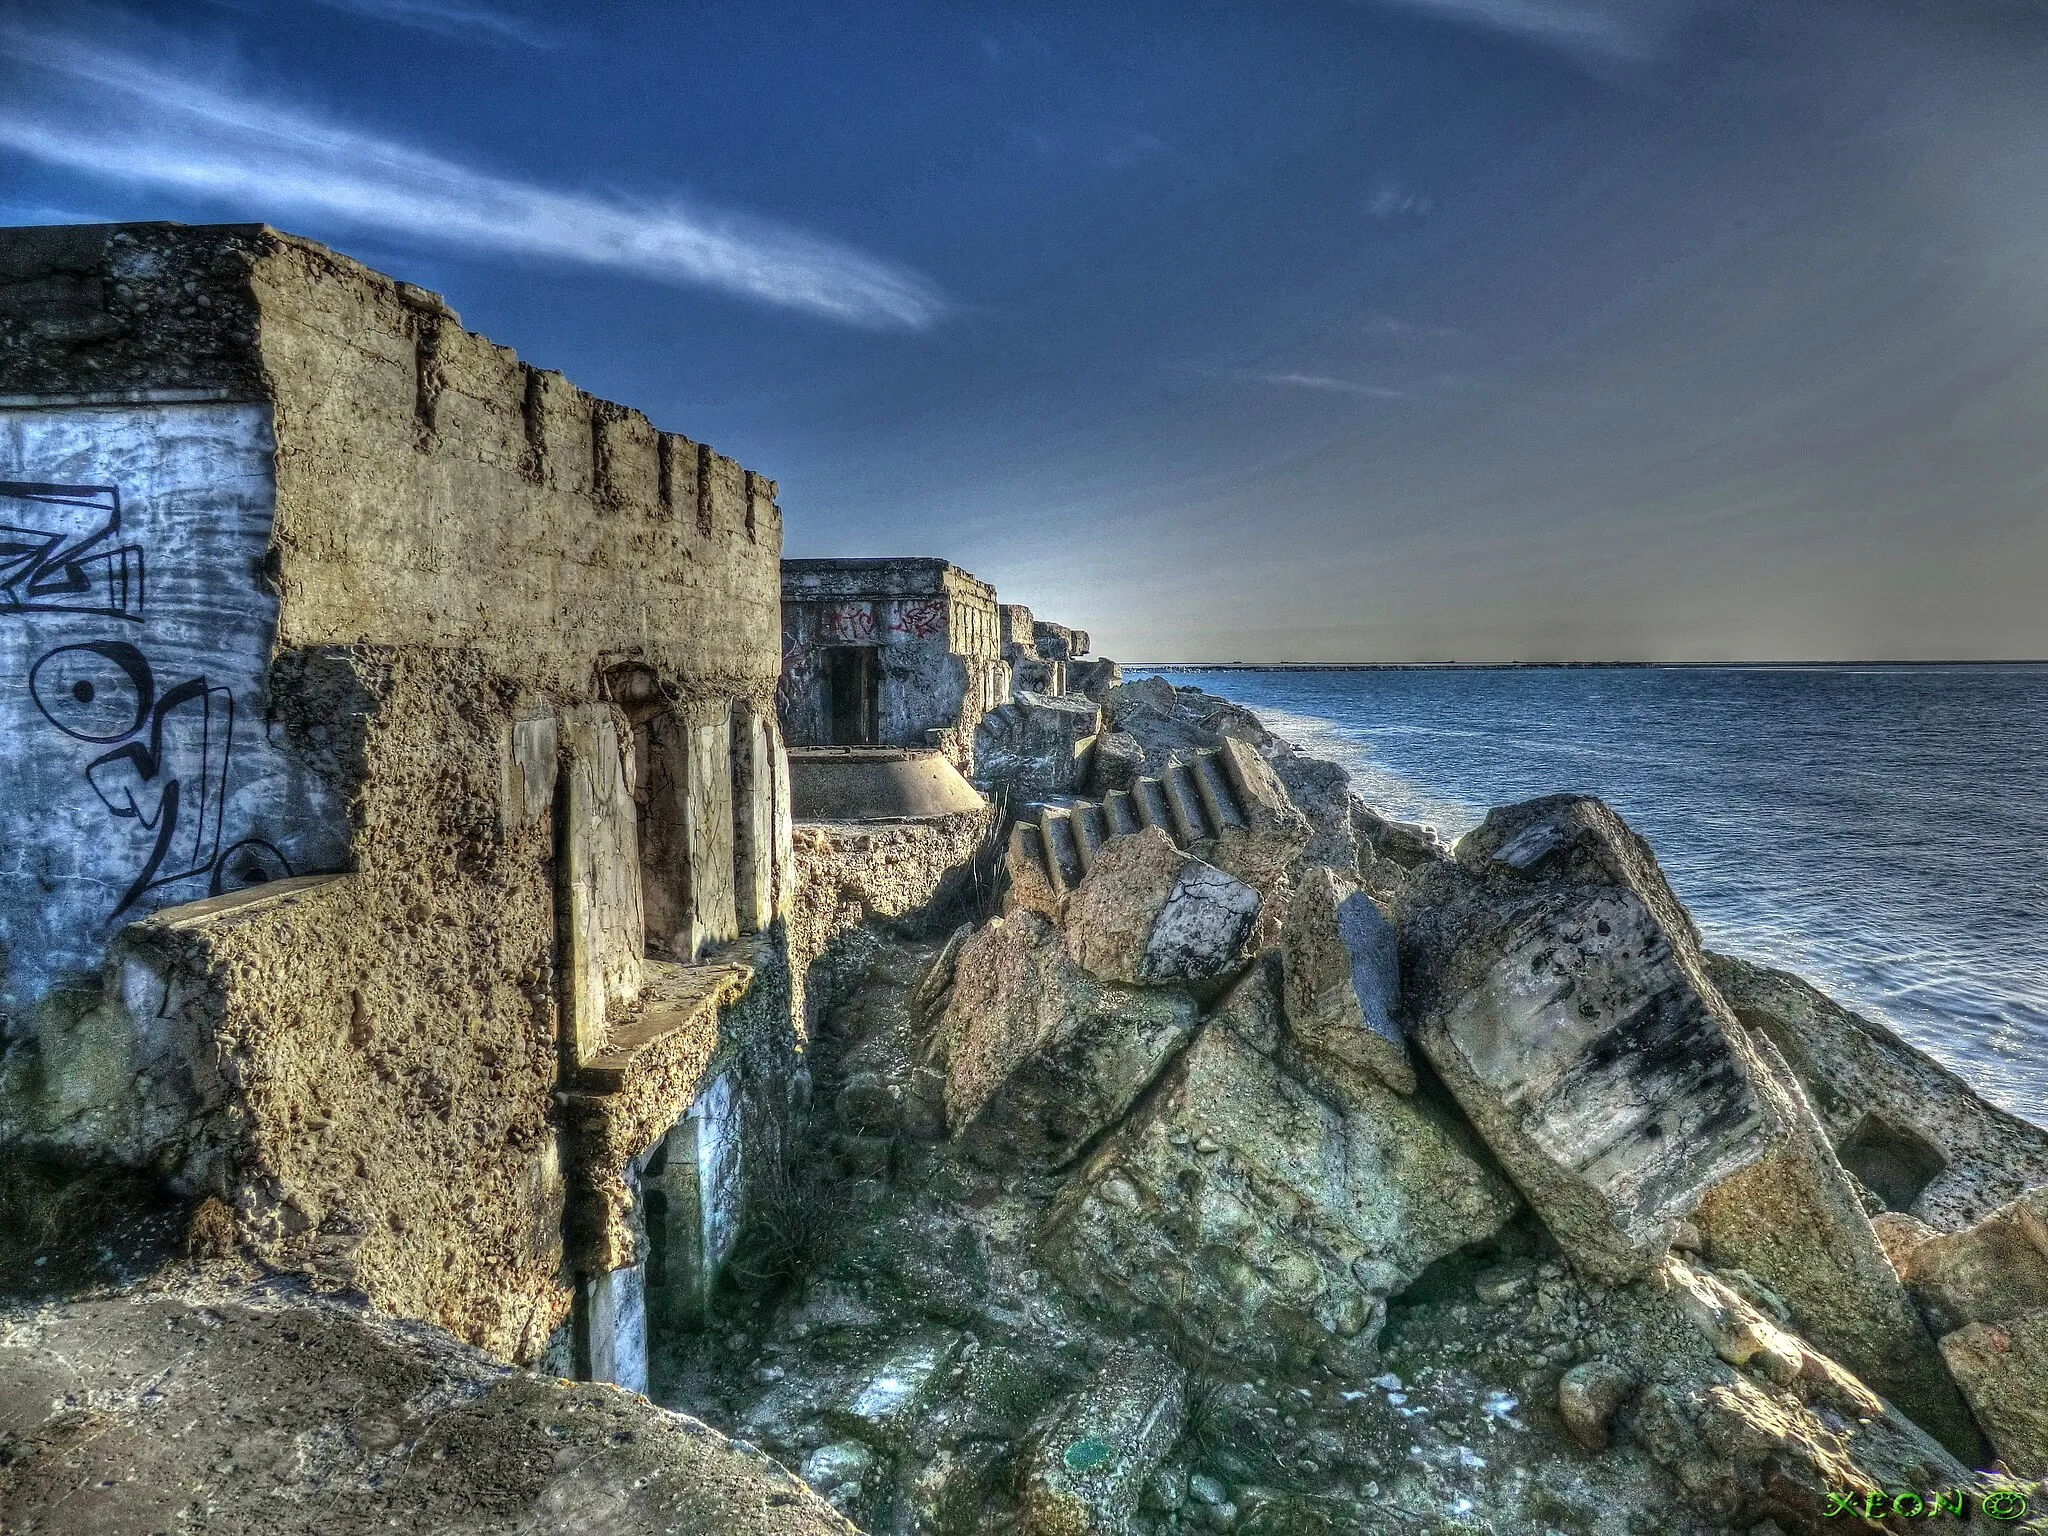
[(1297, 329)]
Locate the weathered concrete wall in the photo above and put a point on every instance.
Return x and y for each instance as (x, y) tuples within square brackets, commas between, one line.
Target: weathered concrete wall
[(470, 618), (137, 766)]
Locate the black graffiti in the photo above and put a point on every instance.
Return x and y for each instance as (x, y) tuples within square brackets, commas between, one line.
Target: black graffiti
[(61, 552), (168, 763)]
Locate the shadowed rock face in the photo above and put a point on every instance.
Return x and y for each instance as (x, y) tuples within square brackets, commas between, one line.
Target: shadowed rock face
[(1041, 1056), (1559, 994), (1263, 1216), (1343, 980)]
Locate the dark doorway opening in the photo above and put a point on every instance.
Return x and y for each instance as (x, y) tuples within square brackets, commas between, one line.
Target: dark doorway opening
[(852, 686)]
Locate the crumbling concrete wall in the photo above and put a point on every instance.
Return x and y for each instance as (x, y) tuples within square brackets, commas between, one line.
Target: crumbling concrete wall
[(934, 631), (440, 590), (855, 878)]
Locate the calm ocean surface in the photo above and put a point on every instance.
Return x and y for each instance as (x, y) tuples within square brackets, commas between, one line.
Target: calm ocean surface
[(1883, 831)]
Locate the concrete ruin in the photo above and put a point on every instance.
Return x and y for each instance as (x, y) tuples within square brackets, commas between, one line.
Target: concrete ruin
[(399, 820), (887, 653)]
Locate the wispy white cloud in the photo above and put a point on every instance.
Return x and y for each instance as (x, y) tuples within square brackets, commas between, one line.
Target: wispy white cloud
[(451, 18), (1325, 382), (121, 119), (1611, 30)]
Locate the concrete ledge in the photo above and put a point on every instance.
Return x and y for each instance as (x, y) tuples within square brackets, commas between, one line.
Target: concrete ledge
[(625, 1099), (864, 784)]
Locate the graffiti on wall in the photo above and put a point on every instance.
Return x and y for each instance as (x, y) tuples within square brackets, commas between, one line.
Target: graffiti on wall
[(136, 766), (166, 765), (61, 551)]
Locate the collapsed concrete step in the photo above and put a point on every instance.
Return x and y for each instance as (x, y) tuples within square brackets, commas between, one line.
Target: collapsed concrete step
[(1222, 804)]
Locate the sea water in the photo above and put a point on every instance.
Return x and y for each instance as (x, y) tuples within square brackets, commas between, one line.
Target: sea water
[(1881, 830)]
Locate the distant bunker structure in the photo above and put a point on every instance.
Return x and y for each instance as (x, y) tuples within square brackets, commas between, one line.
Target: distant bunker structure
[(887, 653)]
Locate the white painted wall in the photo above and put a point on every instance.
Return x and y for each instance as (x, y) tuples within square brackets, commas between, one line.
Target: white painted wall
[(136, 771)]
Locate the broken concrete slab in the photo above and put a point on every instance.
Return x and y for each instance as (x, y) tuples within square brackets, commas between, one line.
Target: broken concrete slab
[(1986, 1273), (1557, 989), (1147, 913), (1259, 1218), (2003, 1370), (1037, 744), (1342, 961), (1793, 1221), (1907, 1127), (1040, 1056), (1088, 1467)]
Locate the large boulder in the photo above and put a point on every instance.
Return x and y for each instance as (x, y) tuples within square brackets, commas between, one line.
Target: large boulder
[(1987, 1273), (1793, 1220), (269, 1408), (1087, 1469), (1039, 1055), (1909, 1129), (1556, 986), (1261, 1218), (1342, 961), (1148, 913), (1753, 1423), (2003, 1370), (1037, 744)]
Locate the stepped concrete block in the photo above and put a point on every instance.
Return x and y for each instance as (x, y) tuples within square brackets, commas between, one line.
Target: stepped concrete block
[(1343, 980), (1557, 988), (1987, 1273), (1089, 833), (1030, 871), (1184, 805), (1088, 1467), (1119, 813), (1262, 1219), (2003, 1370), (1037, 743), (1058, 829), (1792, 1219), (1148, 913), (1218, 803), (1149, 796), (1040, 1056), (1274, 834)]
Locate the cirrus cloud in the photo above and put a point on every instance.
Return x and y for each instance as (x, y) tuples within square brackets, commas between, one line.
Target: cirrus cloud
[(119, 118)]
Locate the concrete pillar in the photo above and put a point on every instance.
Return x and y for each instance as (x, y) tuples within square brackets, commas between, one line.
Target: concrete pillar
[(601, 928), (612, 1324), (753, 795), (784, 874), (708, 835), (693, 1224)]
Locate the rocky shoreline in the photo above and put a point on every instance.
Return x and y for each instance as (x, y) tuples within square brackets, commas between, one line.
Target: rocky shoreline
[(1273, 1169)]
